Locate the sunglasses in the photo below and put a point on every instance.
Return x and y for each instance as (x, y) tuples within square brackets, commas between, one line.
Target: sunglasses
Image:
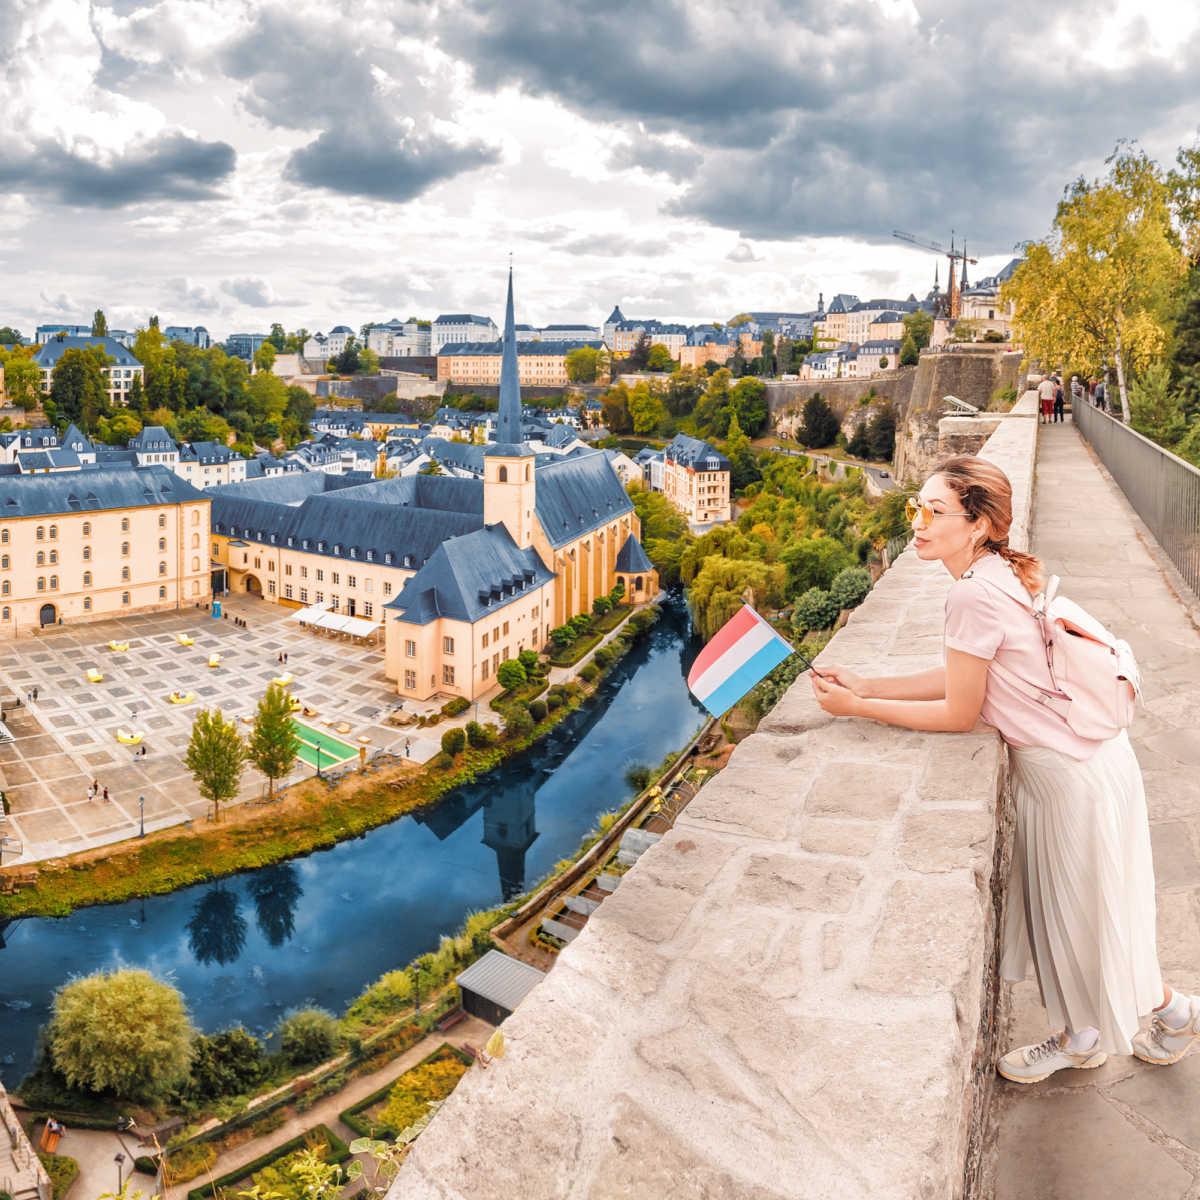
[(914, 507)]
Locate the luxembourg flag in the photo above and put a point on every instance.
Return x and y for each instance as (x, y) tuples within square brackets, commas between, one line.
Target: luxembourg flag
[(742, 652)]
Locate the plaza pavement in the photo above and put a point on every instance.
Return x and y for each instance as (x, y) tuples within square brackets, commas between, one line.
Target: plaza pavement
[(1128, 1129), (67, 737)]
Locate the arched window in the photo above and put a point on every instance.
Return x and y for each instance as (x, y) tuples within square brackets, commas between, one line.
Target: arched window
[(41, 583), (54, 583), (162, 568), (125, 549), (3, 562), (503, 476), (7, 613), (41, 533), (195, 564), (124, 574), (637, 584), (87, 604), (195, 516), (162, 520), (162, 593), (195, 541), (526, 472), (41, 558), (124, 524), (53, 532), (87, 529), (162, 544), (87, 554), (53, 556), (124, 597), (87, 579), (195, 587), (4, 536), (5, 589)]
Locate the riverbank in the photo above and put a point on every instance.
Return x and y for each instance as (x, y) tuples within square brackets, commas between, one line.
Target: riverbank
[(247, 837)]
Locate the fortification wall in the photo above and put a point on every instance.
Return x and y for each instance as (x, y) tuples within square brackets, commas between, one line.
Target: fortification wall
[(793, 993)]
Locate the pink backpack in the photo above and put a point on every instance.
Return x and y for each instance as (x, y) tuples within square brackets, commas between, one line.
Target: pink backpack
[(1095, 678)]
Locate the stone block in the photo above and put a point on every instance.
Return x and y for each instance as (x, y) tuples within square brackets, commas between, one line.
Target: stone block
[(930, 938), (781, 881), (760, 802), (684, 859), (1175, 863), (860, 790), (1077, 1144), (645, 909), (1166, 1097), (963, 767), (947, 841), (852, 839)]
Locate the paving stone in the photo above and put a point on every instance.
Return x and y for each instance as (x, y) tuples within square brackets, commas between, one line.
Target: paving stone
[(1166, 1096), (947, 840), (854, 839), (762, 803), (1076, 1144), (1181, 746), (860, 790), (1178, 930), (1175, 863), (782, 881)]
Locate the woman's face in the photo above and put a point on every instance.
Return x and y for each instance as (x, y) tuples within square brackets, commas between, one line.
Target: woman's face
[(947, 537)]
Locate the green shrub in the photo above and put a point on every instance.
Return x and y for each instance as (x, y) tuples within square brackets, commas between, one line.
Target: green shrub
[(224, 1064), (510, 674), (601, 605), (563, 636), (459, 704), (850, 587), (580, 623), (143, 1163), (479, 736), (433, 718), (814, 610), (603, 656), (589, 672), (191, 1160), (453, 740), (554, 700), (308, 1035), (537, 709), (441, 761), (517, 721), (528, 659), (62, 1171)]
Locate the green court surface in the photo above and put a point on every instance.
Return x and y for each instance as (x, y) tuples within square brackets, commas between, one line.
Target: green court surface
[(333, 751)]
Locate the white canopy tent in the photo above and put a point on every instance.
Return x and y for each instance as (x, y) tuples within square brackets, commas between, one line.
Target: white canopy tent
[(319, 616)]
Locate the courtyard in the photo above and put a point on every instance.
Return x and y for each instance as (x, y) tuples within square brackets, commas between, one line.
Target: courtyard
[(68, 737)]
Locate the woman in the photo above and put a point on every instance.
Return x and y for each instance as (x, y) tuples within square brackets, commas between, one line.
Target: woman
[(1081, 892)]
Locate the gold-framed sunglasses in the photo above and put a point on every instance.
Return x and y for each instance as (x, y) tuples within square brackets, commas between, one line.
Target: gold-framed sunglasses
[(914, 507)]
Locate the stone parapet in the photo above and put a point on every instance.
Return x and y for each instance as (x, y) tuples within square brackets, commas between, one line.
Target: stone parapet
[(792, 994)]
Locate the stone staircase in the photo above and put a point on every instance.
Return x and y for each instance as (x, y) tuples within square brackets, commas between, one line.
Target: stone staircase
[(22, 1175)]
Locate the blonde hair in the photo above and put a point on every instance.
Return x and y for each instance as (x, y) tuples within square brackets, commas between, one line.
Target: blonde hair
[(985, 491)]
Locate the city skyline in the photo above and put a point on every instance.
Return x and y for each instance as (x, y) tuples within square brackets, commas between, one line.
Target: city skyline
[(230, 164)]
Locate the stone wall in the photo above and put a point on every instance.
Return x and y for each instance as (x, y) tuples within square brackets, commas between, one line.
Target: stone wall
[(792, 994)]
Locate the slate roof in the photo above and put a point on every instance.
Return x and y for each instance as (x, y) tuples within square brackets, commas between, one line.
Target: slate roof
[(50, 352), (691, 452), (468, 577), (616, 316), (462, 455), (206, 452), (461, 319), (890, 317), (576, 494), (152, 437), (880, 346), (73, 439), (438, 493), (632, 558), (93, 491), (291, 488)]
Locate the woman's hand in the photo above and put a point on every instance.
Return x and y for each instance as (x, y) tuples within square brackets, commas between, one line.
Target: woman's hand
[(847, 679), (840, 701)]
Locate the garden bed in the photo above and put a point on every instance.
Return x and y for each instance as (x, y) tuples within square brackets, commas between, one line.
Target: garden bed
[(389, 1111), (62, 1170), (336, 1151)]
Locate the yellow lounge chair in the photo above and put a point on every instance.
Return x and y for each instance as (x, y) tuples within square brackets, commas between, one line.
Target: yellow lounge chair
[(185, 639), (214, 660), (295, 704), (343, 727), (366, 741), (181, 697), (309, 711), (119, 646), (129, 737), (94, 676), (283, 679)]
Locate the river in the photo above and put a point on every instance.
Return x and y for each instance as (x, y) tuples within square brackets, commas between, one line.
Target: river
[(317, 930)]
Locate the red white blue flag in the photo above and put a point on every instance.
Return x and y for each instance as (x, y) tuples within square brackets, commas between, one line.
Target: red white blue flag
[(744, 650)]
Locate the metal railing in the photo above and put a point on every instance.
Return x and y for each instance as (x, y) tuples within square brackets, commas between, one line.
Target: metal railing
[(1163, 489)]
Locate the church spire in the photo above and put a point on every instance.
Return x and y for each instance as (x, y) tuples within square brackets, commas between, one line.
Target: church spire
[(963, 285), (508, 424)]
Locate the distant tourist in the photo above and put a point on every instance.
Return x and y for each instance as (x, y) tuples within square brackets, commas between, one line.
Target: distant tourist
[(1059, 401), (106, 796), (1081, 888), (1076, 394), (1046, 400), (1102, 395)]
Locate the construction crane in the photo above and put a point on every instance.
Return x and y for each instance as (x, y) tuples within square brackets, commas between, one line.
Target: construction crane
[(954, 293)]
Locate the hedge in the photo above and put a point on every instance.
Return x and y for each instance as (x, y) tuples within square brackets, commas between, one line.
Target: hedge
[(62, 1171), (351, 1117), (338, 1152)]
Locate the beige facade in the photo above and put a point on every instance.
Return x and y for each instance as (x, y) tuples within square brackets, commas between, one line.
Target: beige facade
[(546, 368), (697, 356), (701, 496), (624, 340), (94, 565)]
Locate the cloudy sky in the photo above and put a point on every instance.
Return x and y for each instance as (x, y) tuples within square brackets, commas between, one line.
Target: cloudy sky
[(230, 164)]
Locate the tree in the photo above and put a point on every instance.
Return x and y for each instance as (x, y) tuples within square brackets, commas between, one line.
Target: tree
[(273, 744), (743, 461), (122, 1032), (154, 321), (737, 361), (264, 356), (815, 609), (277, 337), (966, 329), (909, 354), (616, 409), (665, 534), (453, 740), (224, 1064), (99, 324), (22, 377), (716, 592), (346, 363), (748, 399), (368, 362), (639, 356), (528, 659), (859, 445), (850, 587), (215, 756), (119, 428), (77, 385), (646, 408), (813, 562), (819, 424), (10, 336), (583, 364), (510, 674), (308, 1035), (1097, 289), (918, 325), (767, 361), (659, 358), (684, 388), (881, 434), (267, 397)]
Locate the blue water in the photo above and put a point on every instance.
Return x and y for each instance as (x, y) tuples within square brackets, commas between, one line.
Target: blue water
[(318, 929)]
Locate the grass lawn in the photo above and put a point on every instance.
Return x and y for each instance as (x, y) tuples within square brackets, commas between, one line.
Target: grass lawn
[(332, 750)]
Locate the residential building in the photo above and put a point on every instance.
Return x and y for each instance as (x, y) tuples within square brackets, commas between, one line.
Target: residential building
[(696, 480), (119, 372), (154, 446), (571, 333), (628, 333), (458, 328), (540, 364), (210, 464), (609, 329), (90, 545), (401, 339)]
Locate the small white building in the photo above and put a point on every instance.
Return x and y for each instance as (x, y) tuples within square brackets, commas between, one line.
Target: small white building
[(451, 328)]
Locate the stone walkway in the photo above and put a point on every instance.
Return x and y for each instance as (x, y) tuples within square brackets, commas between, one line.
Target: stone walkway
[(1127, 1129)]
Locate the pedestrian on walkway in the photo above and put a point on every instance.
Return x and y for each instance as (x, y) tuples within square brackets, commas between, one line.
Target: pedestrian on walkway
[(1081, 904), (408, 747), (35, 694), (91, 792), (1076, 395), (1046, 400), (95, 787), (106, 797), (285, 658), (1059, 402), (1102, 396)]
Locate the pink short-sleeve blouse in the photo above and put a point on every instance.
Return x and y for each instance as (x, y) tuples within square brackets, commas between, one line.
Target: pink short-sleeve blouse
[(983, 622)]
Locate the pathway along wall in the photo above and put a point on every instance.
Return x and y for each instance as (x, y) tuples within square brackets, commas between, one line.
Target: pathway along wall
[(792, 994)]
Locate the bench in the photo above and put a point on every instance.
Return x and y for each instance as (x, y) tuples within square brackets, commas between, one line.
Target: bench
[(451, 1019)]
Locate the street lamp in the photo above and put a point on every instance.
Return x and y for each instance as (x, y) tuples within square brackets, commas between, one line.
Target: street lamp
[(141, 816), (119, 1158), (318, 749)]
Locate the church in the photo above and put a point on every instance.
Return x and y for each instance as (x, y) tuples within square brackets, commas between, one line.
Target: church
[(555, 533)]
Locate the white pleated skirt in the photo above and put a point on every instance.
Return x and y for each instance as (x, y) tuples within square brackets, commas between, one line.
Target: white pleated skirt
[(1081, 903)]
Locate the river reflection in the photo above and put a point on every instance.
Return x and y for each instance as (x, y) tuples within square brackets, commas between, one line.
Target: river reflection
[(318, 929)]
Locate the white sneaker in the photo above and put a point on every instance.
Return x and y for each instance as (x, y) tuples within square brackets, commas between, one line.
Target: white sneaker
[(1032, 1064), (1163, 1045)]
